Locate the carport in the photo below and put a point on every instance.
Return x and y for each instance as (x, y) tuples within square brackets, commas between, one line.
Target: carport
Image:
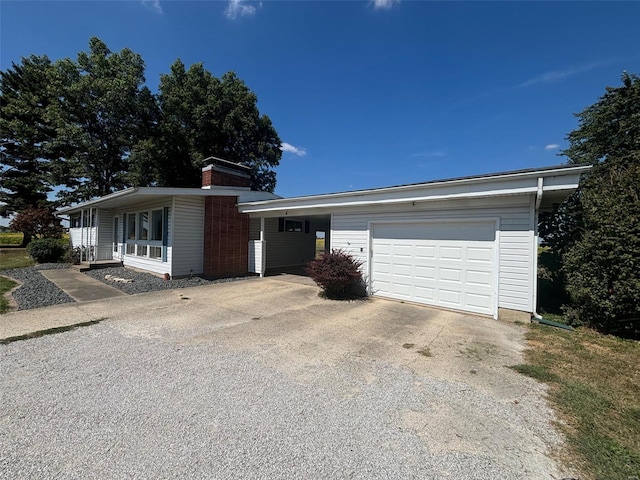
[(287, 242)]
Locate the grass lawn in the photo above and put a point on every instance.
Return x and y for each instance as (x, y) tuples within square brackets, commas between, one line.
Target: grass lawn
[(594, 384), (10, 238), (14, 258), (5, 286)]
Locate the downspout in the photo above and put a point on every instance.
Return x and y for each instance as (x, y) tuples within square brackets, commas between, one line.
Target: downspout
[(539, 192)]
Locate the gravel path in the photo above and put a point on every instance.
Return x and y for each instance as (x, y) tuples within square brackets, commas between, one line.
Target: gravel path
[(157, 409), (36, 291), (146, 282)]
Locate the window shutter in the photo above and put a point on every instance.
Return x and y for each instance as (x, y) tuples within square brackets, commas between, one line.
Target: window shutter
[(281, 224), (306, 226)]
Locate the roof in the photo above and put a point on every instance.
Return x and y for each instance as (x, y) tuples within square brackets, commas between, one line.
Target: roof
[(558, 182), (130, 196)]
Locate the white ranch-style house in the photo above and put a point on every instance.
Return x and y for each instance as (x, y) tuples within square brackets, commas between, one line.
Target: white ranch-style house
[(468, 244)]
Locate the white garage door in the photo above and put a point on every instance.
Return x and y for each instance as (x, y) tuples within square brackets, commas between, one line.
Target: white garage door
[(444, 264)]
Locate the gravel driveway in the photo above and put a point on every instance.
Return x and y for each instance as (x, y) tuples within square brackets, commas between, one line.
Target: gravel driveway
[(264, 379)]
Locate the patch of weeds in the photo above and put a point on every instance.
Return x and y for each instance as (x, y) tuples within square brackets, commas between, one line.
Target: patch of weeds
[(408, 345), (538, 372), (48, 331), (425, 352), (595, 389), (5, 286), (473, 372)]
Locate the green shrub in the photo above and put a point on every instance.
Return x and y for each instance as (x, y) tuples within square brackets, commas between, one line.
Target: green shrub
[(46, 250), (602, 267), (72, 254), (337, 273)]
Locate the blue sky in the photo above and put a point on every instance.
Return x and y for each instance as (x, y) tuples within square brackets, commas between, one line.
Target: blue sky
[(369, 94)]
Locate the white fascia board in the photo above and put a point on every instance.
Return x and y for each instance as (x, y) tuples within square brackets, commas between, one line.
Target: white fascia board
[(252, 208), (132, 195), (566, 178), (96, 201)]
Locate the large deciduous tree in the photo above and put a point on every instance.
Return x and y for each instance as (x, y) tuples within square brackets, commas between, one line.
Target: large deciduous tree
[(26, 134), (201, 116), (597, 232), (104, 111)]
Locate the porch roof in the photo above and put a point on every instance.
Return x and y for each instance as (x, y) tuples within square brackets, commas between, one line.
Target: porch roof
[(129, 196)]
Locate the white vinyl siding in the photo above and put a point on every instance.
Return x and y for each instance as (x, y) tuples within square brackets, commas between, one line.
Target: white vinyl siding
[(349, 232), (188, 238), (83, 236), (287, 249)]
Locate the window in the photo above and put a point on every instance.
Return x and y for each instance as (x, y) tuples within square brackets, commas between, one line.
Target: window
[(89, 221), (131, 226), (156, 225), (293, 225), (143, 225), (144, 234), (75, 222)]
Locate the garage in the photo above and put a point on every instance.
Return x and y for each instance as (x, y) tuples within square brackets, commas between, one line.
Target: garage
[(467, 244), (443, 264)]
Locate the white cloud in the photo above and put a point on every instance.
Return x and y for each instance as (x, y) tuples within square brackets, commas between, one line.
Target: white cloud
[(287, 147), (436, 153), (551, 146), (155, 4), (383, 4), (237, 8), (558, 75)]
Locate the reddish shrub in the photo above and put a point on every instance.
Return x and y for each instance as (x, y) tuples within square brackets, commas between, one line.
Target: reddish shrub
[(337, 273)]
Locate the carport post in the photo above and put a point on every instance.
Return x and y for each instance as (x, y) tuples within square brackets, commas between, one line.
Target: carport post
[(263, 253)]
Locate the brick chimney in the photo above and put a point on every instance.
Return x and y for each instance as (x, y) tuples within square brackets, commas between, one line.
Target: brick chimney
[(224, 173)]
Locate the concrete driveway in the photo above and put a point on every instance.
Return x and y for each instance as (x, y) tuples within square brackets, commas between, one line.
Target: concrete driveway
[(264, 379)]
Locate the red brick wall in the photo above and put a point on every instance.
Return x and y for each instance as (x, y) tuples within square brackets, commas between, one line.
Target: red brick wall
[(226, 238), (212, 177)]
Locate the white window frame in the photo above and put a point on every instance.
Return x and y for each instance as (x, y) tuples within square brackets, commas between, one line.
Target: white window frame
[(142, 247)]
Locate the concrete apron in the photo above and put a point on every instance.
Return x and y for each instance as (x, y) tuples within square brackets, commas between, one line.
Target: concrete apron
[(80, 287)]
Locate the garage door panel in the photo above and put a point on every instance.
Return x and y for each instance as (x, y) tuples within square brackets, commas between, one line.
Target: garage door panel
[(425, 252), (402, 270), (480, 301), (451, 253), (400, 250), (424, 272), (450, 297), (425, 294), (441, 264), (480, 254), (450, 275), (475, 277)]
